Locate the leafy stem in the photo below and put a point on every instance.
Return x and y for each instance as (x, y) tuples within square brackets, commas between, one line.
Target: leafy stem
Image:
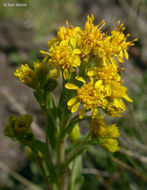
[(78, 148), (40, 163)]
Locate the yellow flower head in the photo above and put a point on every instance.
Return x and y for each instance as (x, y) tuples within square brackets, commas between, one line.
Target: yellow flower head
[(115, 107), (64, 56), (69, 32), (119, 91), (119, 39), (112, 132), (106, 73), (90, 95), (112, 83), (114, 46), (90, 36), (110, 144), (98, 128), (25, 74), (105, 134)]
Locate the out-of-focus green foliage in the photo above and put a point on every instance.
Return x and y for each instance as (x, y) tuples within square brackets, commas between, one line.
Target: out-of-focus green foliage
[(44, 16)]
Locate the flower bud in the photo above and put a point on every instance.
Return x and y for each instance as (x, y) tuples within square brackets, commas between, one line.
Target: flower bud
[(19, 129), (23, 123), (75, 133)]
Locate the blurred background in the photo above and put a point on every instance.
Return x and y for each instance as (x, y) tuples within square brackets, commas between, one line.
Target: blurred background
[(24, 31)]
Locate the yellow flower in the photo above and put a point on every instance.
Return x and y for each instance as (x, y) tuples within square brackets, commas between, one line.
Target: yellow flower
[(112, 83), (105, 51), (69, 32), (25, 74), (52, 73), (119, 91), (110, 144), (112, 131), (106, 135), (90, 96), (119, 39), (97, 126), (64, 56), (106, 73), (115, 107), (114, 46), (90, 36)]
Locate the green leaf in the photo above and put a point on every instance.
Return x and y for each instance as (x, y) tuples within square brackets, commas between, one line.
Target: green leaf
[(63, 111), (50, 101), (76, 178), (51, 130), (39, 97)]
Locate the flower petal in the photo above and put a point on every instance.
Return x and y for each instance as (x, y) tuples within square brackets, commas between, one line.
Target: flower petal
[(44, 52), (126, 55), (71, 86), (71, 101), (114, 63), (90, 73), (81, 79), (98, 84), (128, 98), (76, 51), (75, 107), (65, 74)]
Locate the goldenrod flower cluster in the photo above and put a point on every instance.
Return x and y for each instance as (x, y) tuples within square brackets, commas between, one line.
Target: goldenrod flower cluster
[(102, 84), (89, 61)]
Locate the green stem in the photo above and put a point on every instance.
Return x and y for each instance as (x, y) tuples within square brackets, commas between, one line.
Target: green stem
[(48, 185), (49, 155), (61, 161), (70, 177), (77, 149), (71, 123), (48, 112)]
